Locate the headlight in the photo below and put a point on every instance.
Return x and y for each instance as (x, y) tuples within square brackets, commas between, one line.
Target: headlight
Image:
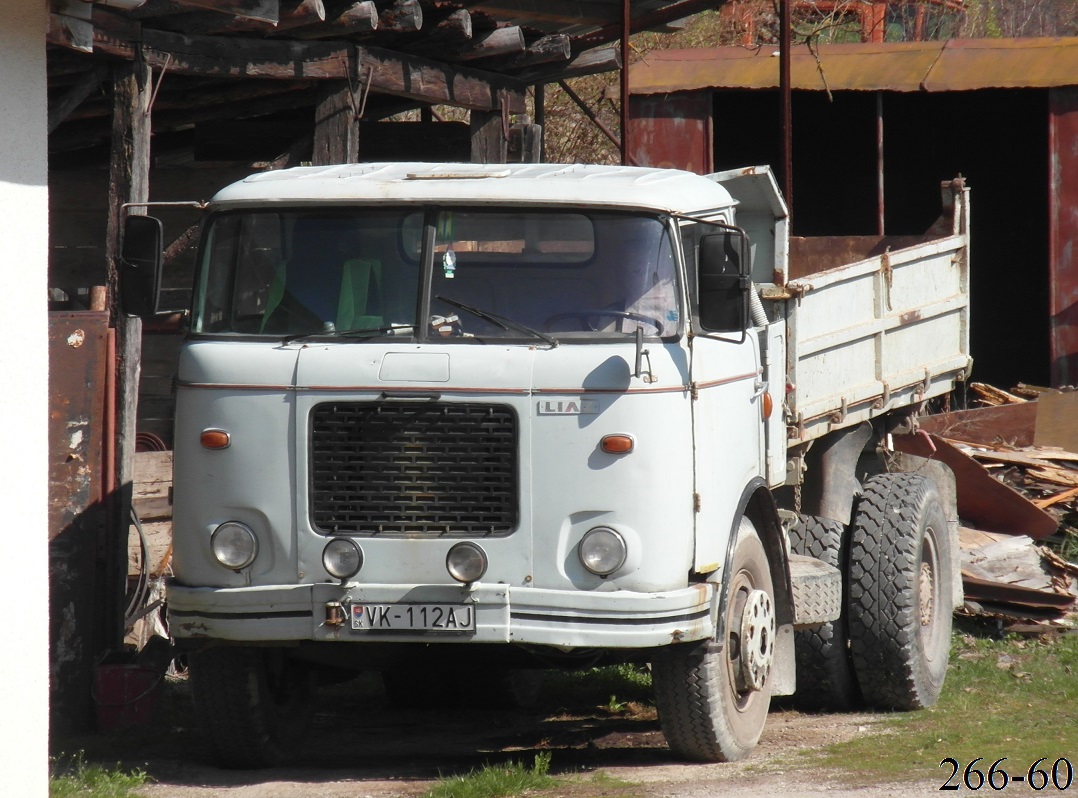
[(466, 562), (234, 545), (602, 550), (342, 558)]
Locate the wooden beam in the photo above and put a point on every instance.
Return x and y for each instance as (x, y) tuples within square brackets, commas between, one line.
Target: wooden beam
[(295, 11), (358, 17), (403, 16), (73, 97), (129, 168), (489, 144), (555, 48), (262, 10), (389, 72), (438, 83), (500, 41), (457, 25), (129, 181), (294, 14), (336, 129), (449, 34), (71, 32), (563, 13), (591, 62), (230, 56)]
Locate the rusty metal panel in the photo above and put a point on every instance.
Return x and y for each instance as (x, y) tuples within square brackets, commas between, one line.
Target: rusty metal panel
[(77, 373), (672, 131), (78, 369), (984, 502), (1063, 233), (955, 65)]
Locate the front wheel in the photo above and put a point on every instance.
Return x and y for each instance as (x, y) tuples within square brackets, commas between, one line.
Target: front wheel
[(713, 696), (254, 704)]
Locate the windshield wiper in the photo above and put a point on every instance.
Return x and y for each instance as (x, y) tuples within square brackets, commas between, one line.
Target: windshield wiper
[(501, 321), (391, 329)]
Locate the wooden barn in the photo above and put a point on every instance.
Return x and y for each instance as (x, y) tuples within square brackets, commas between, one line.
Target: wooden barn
[(875, 128)]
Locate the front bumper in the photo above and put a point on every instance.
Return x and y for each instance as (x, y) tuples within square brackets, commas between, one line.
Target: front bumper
[(504, 614)]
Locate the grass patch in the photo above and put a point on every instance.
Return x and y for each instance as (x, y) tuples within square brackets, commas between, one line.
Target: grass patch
[(1009, 698), (73, 776), (613, 688), (514, 779), (496, 781)]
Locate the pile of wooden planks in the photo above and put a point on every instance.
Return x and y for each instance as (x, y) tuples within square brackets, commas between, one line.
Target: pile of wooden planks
[(1015, 461), (149, 545)]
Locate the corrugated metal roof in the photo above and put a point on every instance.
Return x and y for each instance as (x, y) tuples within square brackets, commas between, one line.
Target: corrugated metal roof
[(956, 65)]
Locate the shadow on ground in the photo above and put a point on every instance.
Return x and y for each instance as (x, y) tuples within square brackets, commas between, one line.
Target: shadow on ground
[(359, 736)]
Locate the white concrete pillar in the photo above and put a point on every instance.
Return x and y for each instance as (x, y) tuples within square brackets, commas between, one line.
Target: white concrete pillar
[(24, 363)]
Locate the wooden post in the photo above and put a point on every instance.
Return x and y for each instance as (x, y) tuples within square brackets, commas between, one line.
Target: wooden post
[(336, 129), (129, 181), (540, 118), (489, 144)]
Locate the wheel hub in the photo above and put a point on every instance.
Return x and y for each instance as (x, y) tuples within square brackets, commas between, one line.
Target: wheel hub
[(757, 649), (927, 594)]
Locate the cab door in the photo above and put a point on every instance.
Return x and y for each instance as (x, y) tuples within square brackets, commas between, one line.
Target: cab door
[(727, 386)]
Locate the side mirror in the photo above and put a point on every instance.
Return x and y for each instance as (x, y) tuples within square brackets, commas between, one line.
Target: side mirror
[(723, 281), (140, 265)]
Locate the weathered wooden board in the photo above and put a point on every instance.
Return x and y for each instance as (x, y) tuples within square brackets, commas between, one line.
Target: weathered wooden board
[(1057, 420)]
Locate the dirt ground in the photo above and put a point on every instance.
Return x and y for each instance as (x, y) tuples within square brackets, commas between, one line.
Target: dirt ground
[(361, 747)]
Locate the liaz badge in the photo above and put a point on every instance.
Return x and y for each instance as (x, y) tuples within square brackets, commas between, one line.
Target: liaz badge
[(568, 407)]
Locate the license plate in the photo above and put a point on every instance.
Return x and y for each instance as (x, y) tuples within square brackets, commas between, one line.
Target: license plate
[(413, 617)]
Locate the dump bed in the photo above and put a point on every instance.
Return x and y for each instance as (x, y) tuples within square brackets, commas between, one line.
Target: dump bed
[(872, 323)]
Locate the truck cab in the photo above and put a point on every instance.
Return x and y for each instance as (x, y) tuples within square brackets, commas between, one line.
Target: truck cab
[(459, 422)]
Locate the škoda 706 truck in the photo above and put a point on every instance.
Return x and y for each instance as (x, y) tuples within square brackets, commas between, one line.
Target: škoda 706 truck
[(459, 424)]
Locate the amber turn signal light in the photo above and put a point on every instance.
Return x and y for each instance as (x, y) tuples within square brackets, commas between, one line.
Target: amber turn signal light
[(769, 405), (215, 439), (617, 444)]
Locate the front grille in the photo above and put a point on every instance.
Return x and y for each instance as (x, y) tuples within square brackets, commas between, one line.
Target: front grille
[(413, 468)]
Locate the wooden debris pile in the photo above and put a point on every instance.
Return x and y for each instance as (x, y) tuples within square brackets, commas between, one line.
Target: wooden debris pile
[(1015, 461)]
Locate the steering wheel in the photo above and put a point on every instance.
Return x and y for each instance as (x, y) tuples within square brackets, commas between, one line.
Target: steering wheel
[(587, 315)]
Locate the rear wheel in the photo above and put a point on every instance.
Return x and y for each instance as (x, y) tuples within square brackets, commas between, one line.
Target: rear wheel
[(254, 704), (713, 697), (898, 592), (825, 677)]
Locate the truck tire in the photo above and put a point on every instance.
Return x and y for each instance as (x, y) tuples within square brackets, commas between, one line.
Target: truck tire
[(713, 698), (254, 704), (825, 679), (898, 592)]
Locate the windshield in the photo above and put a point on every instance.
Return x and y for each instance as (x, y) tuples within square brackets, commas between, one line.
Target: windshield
[(537, 274)]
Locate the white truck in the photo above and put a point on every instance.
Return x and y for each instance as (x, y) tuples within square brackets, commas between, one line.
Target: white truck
[(462, 423)]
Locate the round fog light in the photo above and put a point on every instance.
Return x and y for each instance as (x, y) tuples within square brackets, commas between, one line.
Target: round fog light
[(602, 550), (342, 558), (234, 545), (466, 562)]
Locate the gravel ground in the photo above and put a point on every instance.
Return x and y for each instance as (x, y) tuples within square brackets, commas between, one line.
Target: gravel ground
[(360, 747)]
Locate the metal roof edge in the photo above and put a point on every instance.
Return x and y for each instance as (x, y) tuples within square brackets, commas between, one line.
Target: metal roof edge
[(949, 65)]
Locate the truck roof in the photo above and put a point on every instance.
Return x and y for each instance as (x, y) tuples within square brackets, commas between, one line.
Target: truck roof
[(542, 184)]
